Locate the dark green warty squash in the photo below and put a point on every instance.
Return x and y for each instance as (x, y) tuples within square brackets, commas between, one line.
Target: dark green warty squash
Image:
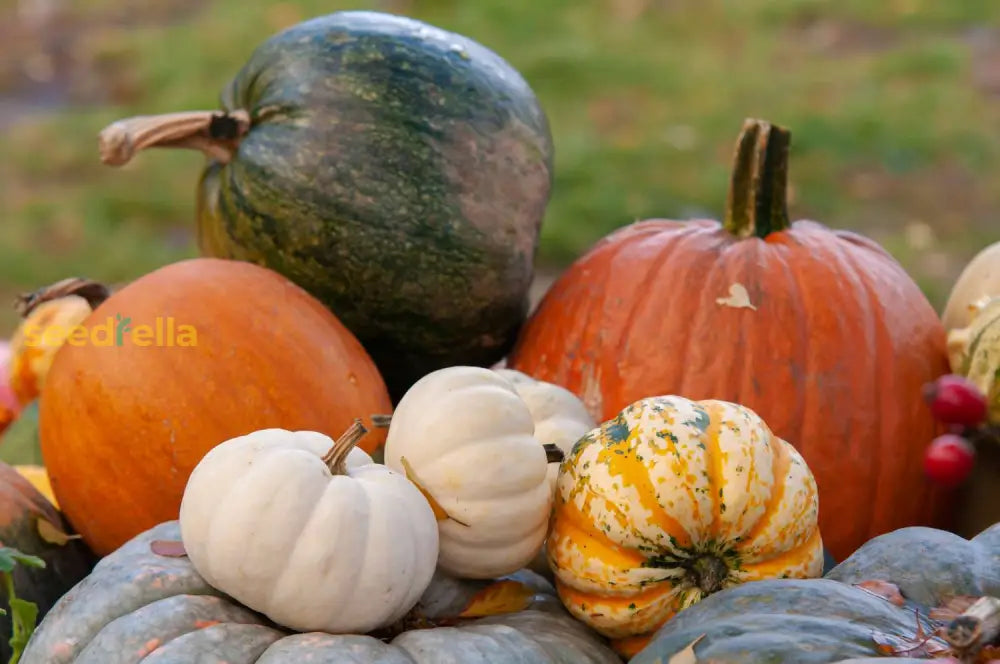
[(396, 171), (141, 607), (843, 616)]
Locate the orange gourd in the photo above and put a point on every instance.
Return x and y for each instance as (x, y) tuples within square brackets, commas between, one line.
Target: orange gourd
[(176, 362), (819, 331)]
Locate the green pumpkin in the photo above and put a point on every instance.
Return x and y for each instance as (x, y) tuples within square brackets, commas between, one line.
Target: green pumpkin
[(817, 621), (139, 606), (396, 171)]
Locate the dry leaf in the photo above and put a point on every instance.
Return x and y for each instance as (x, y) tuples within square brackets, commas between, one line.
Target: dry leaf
[(920, 644), (168, 548), (505, 596), (439, 512), (686, 656), (738, 298), (884, 589), (52, 533)]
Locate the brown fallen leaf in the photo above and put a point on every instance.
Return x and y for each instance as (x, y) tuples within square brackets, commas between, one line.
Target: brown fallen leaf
[(919, 644), (168, 548), (439, 512), (505, 596), (884, 589), (686, 655), (52, 533)]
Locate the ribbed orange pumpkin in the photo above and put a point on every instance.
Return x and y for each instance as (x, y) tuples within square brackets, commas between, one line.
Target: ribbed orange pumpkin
[(128, 410), (821, 332)]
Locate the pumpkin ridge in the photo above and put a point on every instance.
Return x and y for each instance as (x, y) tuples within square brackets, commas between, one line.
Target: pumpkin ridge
[(701, 319), (569, 529), (714, 467), (653, 277), (595, 406), (780, 461), (635, 474), (879, 335), (775, 567), (796, 292), (365, 517)]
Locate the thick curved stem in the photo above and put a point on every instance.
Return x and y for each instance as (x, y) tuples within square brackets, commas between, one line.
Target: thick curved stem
[(336, 458), (92, 291), (216, 133), (757, 204)]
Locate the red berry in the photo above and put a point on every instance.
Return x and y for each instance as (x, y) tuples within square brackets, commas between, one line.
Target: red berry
[(949, 459), (956, 400)]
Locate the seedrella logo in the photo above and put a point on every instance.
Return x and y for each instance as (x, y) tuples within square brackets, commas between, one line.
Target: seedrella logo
[(164, 332)]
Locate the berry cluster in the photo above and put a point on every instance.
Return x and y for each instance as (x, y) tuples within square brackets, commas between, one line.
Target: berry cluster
[(958, 403)]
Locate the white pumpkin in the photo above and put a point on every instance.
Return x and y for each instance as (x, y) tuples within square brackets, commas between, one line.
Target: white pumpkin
[(311, 533), (560, 417), (466, 438)]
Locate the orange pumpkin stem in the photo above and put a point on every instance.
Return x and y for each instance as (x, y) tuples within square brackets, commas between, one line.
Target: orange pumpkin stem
[(93, 292), (757, 204), (336, 458), (215, 133)]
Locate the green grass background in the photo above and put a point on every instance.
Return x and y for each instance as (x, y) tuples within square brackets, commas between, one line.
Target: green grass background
[(894, 107)]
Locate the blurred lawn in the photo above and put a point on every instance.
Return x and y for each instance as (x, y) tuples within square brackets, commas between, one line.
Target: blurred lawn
[(894, 107)]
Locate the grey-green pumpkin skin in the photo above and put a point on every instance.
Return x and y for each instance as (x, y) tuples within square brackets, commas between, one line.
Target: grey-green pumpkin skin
[(819, 621), (396, 171), (140, 607)]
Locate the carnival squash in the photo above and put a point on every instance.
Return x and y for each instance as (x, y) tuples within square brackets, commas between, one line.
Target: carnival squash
[(672, 500), (139, 606), (396, 171), (290, 524), (22, 509), (821, 332), (465, 437), (174, 363), (875, 603)]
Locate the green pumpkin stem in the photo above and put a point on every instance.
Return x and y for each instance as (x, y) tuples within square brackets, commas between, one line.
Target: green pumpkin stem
[(336, 458), (757, 204), (216, 133)]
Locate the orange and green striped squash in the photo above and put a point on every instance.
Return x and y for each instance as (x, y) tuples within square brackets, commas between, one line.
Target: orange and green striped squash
[(670, 501)]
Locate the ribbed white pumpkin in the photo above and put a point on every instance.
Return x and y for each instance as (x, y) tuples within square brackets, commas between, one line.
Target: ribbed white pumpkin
[(312, 534), (467, 440), (560, 417)]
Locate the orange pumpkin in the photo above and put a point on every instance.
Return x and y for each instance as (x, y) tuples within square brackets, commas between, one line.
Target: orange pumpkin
[(821, 332), (182, 359)]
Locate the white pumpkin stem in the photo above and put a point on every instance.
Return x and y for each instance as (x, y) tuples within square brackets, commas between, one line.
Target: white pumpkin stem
[(215, 133), (336, 458)]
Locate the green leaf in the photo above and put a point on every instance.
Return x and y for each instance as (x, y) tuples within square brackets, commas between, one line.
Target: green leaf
[(23, 614), (23, 619), (10, 557)]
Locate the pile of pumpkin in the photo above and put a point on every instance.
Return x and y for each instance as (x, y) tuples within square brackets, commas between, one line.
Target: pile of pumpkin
[(339, 436)]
